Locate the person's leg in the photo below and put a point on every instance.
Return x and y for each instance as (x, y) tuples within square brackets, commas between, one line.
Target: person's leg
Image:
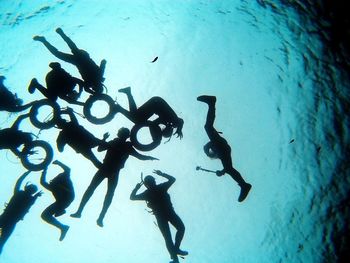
[(34, 84), (47, 216), (96, 180), (165, 230), (176, 221), (112, 184), (54, 51), (133, 112), (245, 187), (66, 39), (6, 231)]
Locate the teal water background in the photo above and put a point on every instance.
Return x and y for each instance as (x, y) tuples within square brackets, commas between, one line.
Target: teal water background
[(266, 73)]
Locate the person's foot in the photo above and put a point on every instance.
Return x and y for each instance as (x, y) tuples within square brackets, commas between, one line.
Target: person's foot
[(182, 252), (99, 222), (64, 231), (207, 99), (59, 30), (245, 188), (39, 38), (76, 215), (125, 90), (32, 86)]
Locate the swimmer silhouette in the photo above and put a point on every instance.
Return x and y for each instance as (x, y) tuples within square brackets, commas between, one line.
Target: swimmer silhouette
[(17, 208), (158, 200), (218, 147), (77, 137), (60, 84), (118, 151), (62, 189), (155, 105), (89, 71), (11, 138), (9, 101)]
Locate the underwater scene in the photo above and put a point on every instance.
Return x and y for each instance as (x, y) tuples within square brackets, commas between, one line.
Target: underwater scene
[(212, 131)]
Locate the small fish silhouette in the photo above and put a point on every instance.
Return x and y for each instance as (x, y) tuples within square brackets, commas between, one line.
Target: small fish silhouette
[(154, 60)]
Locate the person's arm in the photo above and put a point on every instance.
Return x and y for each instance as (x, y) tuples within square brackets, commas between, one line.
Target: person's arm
[(19, 182), (65, 168), (134, 196), (171, 179), (72, 116), (43, 180), (15, 125), (142, 157), (103, 145)]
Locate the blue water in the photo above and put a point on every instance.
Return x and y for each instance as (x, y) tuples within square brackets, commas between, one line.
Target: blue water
[(281, 104)]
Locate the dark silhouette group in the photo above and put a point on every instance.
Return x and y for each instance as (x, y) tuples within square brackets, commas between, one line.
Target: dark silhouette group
[(60, 85)]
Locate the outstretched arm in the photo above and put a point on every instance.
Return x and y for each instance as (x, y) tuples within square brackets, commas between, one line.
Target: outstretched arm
[(65, 168), (15, 125), (141, 156), (135, 196), (170, 178), (43, 180), (19, 182)]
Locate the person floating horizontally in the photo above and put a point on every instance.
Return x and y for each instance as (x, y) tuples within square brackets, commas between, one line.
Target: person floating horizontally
[(17, 208), (89, 71), (218, 147), (118, 151), (62, 189), (158, 200)]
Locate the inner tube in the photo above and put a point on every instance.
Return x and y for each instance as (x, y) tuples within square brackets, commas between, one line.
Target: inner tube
[(31, 147), (91, 100), (155, 132), (34, 112)]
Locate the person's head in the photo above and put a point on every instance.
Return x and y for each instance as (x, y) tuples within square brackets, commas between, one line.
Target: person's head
[(82, 53), (55, 65), (210, 151), (149, 181), (123, 133), (30, 189), (167, 131)]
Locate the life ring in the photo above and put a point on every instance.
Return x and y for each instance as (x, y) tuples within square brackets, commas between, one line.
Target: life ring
[(88, 105), (156, 134), (46, 160), (34, 112)]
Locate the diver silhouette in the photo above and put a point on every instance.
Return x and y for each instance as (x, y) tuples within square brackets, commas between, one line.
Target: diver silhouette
[(62, 189), (77, 137), (60, 84), (9, 101), (118, 151), (11, 138), (218, 147), (158, 200), (155, 105), (17, 208), (89, 71)]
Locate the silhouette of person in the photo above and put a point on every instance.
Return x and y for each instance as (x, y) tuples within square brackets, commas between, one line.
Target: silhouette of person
[(158, 200), (11, 138), (9, 101), (77, 137), (60, 84), (155, 105), (17, 208), (89, 71), (62, 189), (118, 151), (218, 147)]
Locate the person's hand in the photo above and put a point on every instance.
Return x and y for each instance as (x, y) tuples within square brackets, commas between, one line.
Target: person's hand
[(178, 134), (39, 194), (138, 186), (154, 159), (220, 173), (105, 136), (158, 172), (56, 162)]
